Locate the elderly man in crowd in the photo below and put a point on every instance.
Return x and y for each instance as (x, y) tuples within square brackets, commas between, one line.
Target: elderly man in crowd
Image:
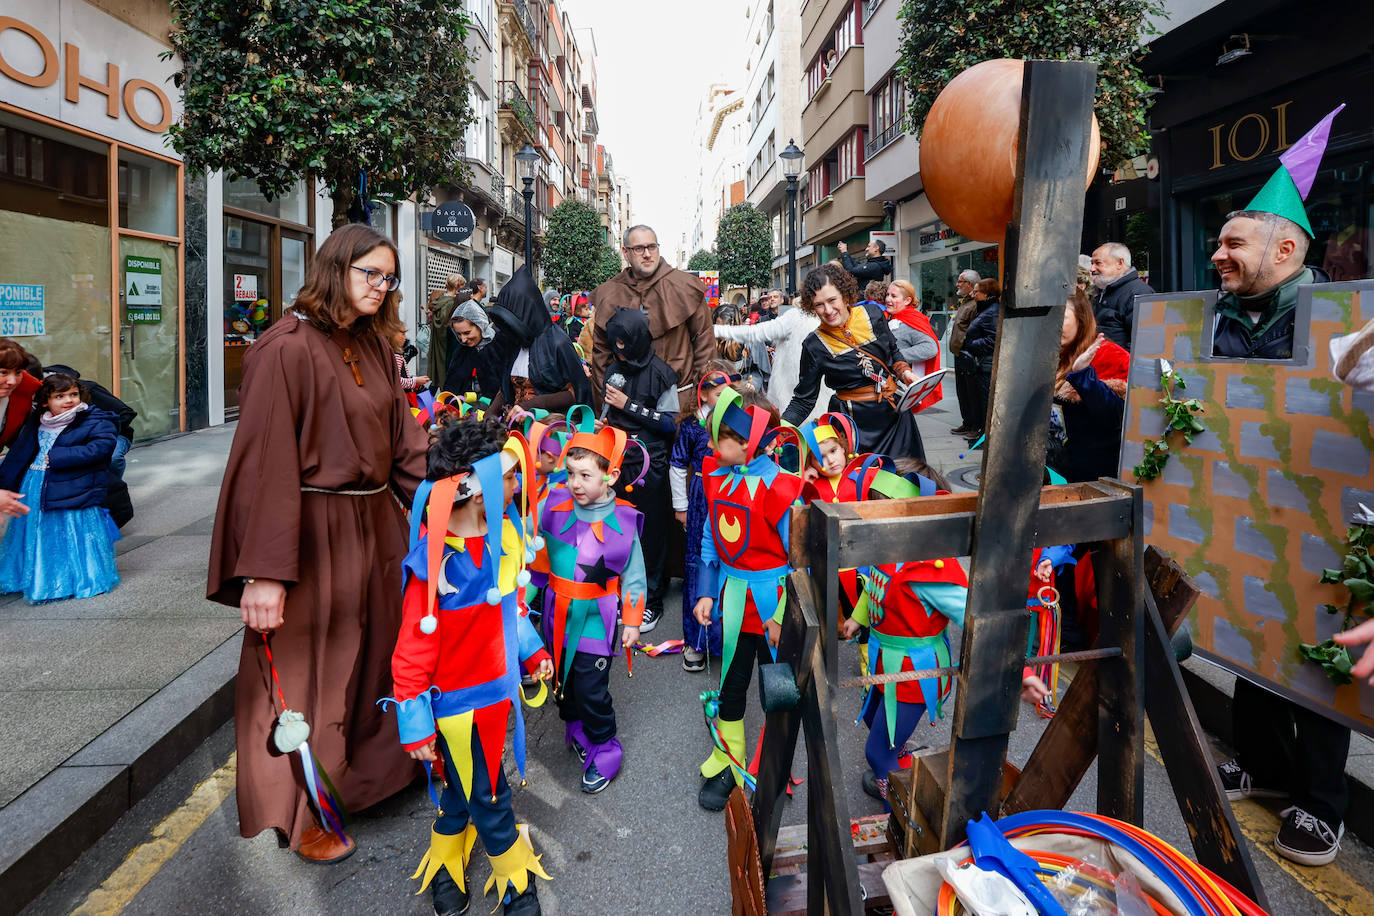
[(1118, 284)]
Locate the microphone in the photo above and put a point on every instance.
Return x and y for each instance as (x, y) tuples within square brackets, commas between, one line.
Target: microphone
[(614, 380)]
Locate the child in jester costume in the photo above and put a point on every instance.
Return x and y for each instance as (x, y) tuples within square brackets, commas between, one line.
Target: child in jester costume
[(595, 569), (908, 607), (743, 568), (464, 634)]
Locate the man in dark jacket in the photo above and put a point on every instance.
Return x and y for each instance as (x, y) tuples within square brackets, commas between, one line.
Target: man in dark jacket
[(875, 268), (1118, 284)]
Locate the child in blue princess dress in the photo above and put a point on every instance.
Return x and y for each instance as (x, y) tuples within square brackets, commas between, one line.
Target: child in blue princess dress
[(64, 547)]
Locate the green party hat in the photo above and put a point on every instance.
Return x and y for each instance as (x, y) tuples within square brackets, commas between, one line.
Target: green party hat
[(1280, 195), (1283, 194)]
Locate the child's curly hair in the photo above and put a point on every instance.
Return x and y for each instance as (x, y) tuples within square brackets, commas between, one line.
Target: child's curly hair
[(836, 276), (460, 442)]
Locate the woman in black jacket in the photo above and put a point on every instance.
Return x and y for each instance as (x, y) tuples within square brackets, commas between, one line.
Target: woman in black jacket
[(979, 343)]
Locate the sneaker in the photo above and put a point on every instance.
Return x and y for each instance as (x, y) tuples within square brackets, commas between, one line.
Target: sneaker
[(870, 784), (592, 780), (1307, 839), (449, 898), (692, 660), (715, 792), (651, 616), (1238, 784), (580, 751), (527, 904)]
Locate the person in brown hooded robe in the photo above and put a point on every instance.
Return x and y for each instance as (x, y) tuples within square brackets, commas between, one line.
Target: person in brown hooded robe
[(309, 540), (675, 302)]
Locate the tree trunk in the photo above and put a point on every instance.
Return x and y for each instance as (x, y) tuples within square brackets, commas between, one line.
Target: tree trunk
[(342, 197)]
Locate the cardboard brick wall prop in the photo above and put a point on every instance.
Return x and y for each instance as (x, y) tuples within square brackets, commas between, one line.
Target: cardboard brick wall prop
[(1258, 504)]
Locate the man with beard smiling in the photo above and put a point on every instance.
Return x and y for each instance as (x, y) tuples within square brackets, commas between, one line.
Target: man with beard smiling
[(673, 301), (1259, 261)]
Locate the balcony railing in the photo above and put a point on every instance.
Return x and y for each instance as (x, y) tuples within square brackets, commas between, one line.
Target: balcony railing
[(522, 9), (512, 99), (876, 143)]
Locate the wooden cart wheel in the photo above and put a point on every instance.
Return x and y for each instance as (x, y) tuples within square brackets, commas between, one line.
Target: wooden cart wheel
[(742, 848)]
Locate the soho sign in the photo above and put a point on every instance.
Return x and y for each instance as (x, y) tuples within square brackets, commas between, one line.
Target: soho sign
[(118, 96)]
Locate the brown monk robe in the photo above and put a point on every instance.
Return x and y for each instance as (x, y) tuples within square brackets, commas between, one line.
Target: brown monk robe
[(306, 422), (679, 322)]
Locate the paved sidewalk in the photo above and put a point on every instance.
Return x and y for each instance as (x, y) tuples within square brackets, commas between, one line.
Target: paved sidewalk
[(85, 712)]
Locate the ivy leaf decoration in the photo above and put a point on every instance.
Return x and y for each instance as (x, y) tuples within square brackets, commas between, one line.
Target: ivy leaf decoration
[(1179, 416), (1354, 576), (1335, 660)]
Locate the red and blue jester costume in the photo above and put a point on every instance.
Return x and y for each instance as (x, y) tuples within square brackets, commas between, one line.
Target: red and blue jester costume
[(744, 563), (457, 669)]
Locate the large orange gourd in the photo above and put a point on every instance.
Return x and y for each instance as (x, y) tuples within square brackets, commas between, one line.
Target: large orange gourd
[(968, 149)]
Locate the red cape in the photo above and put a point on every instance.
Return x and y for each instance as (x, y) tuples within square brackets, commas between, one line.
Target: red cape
[(915, 318)]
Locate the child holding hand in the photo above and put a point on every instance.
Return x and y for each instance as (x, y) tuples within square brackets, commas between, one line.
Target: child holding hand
[(456, 666)]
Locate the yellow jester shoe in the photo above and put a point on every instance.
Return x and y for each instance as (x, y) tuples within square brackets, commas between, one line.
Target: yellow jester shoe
[(450, 851)]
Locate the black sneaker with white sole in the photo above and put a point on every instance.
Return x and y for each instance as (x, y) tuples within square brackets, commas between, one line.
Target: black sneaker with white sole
[(1238, 783), (1307, 839), (449, 898), (592, 780), (651, 618)]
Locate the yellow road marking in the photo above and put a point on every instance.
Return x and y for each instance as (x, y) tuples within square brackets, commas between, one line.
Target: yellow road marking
[(1330, 884), (139, 867)]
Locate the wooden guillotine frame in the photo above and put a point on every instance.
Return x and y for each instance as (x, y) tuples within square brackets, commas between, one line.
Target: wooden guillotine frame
[(1102, 714)]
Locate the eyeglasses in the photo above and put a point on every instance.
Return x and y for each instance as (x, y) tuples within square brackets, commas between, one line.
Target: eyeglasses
[(376, 279), (641, 249)]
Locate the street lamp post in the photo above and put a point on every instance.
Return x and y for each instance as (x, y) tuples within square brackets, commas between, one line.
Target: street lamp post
[(526, 160), (791, 167)]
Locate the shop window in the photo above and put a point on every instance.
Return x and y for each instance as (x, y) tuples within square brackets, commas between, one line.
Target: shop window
[(47, 172), (293, 206), (147, 194)]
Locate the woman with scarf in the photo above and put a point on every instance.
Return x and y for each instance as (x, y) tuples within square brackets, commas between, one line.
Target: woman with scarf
[(530, 357), (641, 398), (467, 367), (853, 351), (916, 339), (1089, 397)]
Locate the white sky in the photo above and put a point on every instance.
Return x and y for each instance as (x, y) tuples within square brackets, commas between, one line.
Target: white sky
[(654, 61)]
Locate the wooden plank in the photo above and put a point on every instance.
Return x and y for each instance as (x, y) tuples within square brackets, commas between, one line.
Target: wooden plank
[(895, 539), (835, 880), (1119, 567), (1183, 748), (1174, 593), (799, 645), (1065, 751), (869, 834), (1052, 158)]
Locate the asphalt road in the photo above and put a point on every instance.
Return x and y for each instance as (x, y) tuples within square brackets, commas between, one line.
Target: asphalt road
[(641, 847)]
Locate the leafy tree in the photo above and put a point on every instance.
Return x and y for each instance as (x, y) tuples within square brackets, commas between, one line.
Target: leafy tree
[(941, 38), (341, 88), (609, 265), (744, 247), (574, 246), (703, 260)]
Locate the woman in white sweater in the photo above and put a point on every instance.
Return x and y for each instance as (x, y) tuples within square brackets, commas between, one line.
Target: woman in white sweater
[(785, 335)]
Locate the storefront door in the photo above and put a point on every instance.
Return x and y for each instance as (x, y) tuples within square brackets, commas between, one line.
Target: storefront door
[(149, 335)]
